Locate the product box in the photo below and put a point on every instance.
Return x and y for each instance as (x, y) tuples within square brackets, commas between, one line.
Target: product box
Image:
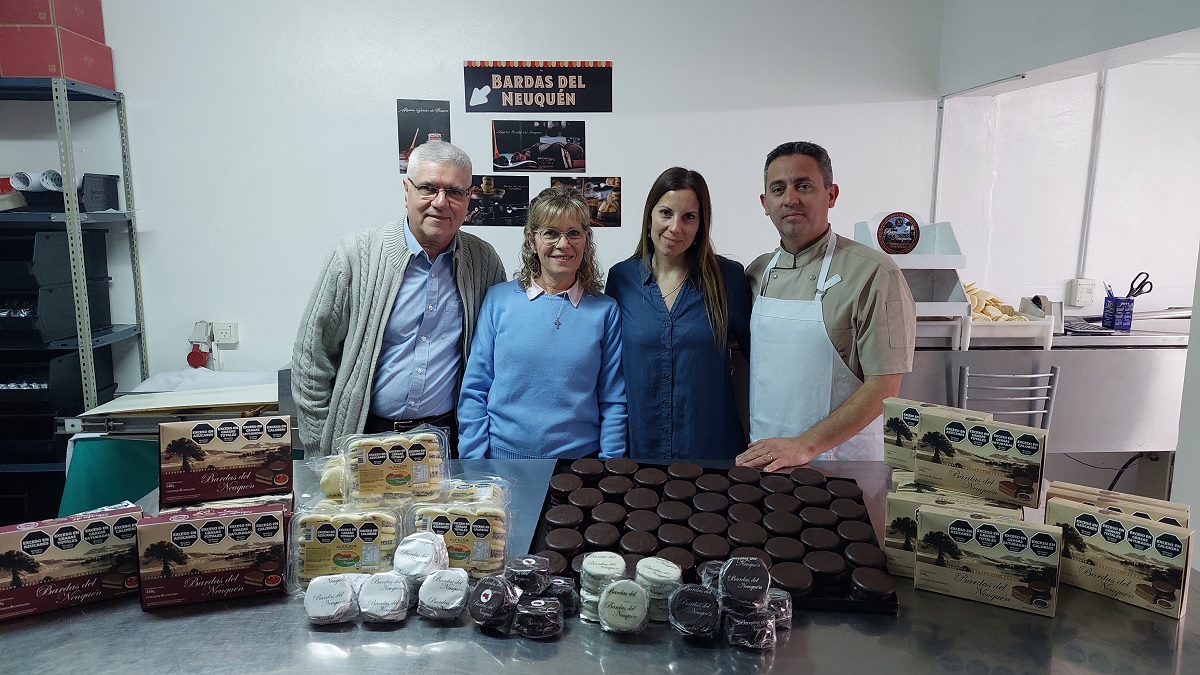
[(1171, 513), (983, 558), (1134, 560), (221, 459), (998, 460), (900, 520), (215, 554), (285, 502), (64, 562), (82, 17), (46, 51), (901, 477), (903, 427)]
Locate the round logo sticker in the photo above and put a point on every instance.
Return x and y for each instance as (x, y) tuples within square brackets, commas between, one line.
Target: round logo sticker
[(898, 233)]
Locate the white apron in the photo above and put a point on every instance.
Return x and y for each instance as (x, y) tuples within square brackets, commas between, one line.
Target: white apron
[(796, 376)]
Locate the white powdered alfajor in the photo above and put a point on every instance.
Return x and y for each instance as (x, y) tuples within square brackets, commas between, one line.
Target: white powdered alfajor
[(600, 569), (658, 576), (623, 607)]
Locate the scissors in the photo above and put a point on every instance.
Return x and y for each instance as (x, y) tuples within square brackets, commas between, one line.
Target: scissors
[(1140, 286)]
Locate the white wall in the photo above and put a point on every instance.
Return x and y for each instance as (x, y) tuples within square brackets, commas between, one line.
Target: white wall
[(264, 131), (1014, 176), (984, 41)]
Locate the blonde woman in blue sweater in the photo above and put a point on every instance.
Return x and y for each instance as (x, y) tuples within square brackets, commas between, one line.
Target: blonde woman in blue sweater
[(544, 379)]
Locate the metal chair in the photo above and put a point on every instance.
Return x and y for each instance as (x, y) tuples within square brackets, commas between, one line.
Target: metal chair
[(1023, 398)]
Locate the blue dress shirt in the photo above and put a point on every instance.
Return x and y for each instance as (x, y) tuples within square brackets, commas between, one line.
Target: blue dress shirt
[(678, 384), (420, 358)]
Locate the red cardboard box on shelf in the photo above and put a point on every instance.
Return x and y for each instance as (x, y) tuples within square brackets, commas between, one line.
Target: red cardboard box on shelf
[(82, 17), (45, 51)]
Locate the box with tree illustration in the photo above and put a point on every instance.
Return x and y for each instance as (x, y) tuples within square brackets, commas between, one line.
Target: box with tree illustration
[(1171, 513), (991, 459), (64, 562), (903, 427), (1132, 559), (900, 520), (988, 559), (222, 459), (203, 555)]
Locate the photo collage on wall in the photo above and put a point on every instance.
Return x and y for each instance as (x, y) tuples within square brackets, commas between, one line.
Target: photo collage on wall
[(603, 196), (547, 91)]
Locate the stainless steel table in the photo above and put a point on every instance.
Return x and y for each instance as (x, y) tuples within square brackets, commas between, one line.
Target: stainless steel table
[(931, 634)]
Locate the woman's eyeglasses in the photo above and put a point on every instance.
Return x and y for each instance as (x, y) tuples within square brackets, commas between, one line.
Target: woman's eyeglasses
[(551, 235)]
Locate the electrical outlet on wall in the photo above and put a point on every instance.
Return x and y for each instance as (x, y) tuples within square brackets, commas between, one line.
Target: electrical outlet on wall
[(1081, 292), (225, 333)]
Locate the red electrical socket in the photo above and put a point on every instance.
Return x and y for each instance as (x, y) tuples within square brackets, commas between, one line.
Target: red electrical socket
[(197, 358)]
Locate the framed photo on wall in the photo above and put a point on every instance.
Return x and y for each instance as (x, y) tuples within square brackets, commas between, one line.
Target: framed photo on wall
[(520, 145)]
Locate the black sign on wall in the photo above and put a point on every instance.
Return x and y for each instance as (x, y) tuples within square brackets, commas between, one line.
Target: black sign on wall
[(538, 86), (419, 121)]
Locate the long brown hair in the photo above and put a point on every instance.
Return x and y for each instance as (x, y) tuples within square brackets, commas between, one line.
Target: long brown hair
[(550, 206), (703, 269)]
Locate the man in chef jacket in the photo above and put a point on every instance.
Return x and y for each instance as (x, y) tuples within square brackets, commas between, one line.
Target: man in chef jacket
[(832, 330)]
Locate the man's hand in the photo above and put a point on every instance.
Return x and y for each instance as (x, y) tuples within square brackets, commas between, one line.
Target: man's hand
[(851, 417), (774, 454)]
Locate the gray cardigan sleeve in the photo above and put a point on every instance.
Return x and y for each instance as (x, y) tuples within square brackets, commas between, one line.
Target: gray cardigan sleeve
[(318, 349)]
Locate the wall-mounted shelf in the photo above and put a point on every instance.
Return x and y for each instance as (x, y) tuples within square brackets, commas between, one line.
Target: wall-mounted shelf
[(931, 269), (62, 282)]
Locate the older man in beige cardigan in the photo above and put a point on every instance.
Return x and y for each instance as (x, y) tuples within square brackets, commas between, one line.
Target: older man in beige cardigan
[(383, 341)]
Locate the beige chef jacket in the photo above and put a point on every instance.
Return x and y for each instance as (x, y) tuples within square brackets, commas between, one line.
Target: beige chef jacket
[(870, 314)]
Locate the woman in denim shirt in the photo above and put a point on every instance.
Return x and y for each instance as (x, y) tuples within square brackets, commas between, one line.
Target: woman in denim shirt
[(682, 308)]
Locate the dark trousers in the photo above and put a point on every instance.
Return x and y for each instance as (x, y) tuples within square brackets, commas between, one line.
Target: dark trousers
[(447, 421)]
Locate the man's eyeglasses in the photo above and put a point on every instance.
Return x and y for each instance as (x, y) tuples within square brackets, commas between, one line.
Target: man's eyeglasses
[(551, 235), (430, 191)]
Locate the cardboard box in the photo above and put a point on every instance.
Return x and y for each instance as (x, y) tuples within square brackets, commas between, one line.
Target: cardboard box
[(1171, 513), (991, 459), (903, 427), (986, 559), (220, 459), (82, 17), (1137, 561), (46, 51), (901, 477), (900, 520), (65, 562), (215, 554), (287, 502)]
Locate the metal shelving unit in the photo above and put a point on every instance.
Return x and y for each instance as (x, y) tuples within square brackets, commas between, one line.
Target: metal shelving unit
[(61, 92)]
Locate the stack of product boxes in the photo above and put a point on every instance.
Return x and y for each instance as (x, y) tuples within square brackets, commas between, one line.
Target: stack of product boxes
[(954, 519), (954, 523), (65, 562), (225, 487), (55, 38)]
